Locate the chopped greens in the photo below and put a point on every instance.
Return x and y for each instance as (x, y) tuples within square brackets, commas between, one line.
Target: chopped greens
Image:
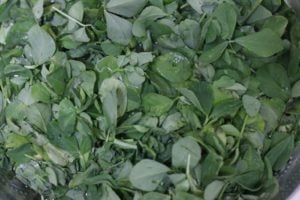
[(149, 99)]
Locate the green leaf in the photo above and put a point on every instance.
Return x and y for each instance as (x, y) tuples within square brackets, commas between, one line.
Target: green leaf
[(75, 194), (173, 122), (281, 151), (76, 11), (38, 9), (276, 23), (2, 105), (251, 105), (296, 90), (213, 31), (51, 176), (19, 30), (114, 99), (179, 195), (15, 141), (40, 93), (31, 173), (41, 45), (180, 181), (184, 148), (250, 169), (190, 95), (88, 80), (226, 15), (57, 80), (126, 8), (173, 66), (229, 129), (56, 155), (271, 110), (111, 49), (39, 115), (108, 193), (148, 15), (213, 54), (156, 105), (190, 117), (60, 139), (204, 93), (80, 177), (67, 116), (135, 76), (81, 36), (259, 14), (147, 174), (264, 43), (5, 8), (106, 67), (196, 5), (4, 30), (17, 155), (155, 196), (190, 31), (210, 168), (16, 111), (118, 29), (294, 107), (26, 97), (213, 190), (274, 81), (226, 108), (146, 99)]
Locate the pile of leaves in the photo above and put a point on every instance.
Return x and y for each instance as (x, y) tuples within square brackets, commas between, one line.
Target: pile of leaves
[(149, 99)]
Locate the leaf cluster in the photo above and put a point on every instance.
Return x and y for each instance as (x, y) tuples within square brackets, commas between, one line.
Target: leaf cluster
[(149, 99)]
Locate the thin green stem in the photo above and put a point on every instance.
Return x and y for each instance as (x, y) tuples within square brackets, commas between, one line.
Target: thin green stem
[(241, 133), (190, 178), (70, 18), (184, 5), (244, 126), (205, 146), (202, 17), (125, 145)]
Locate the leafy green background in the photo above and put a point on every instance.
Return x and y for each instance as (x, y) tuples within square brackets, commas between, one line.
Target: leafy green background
[(149, 99)]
